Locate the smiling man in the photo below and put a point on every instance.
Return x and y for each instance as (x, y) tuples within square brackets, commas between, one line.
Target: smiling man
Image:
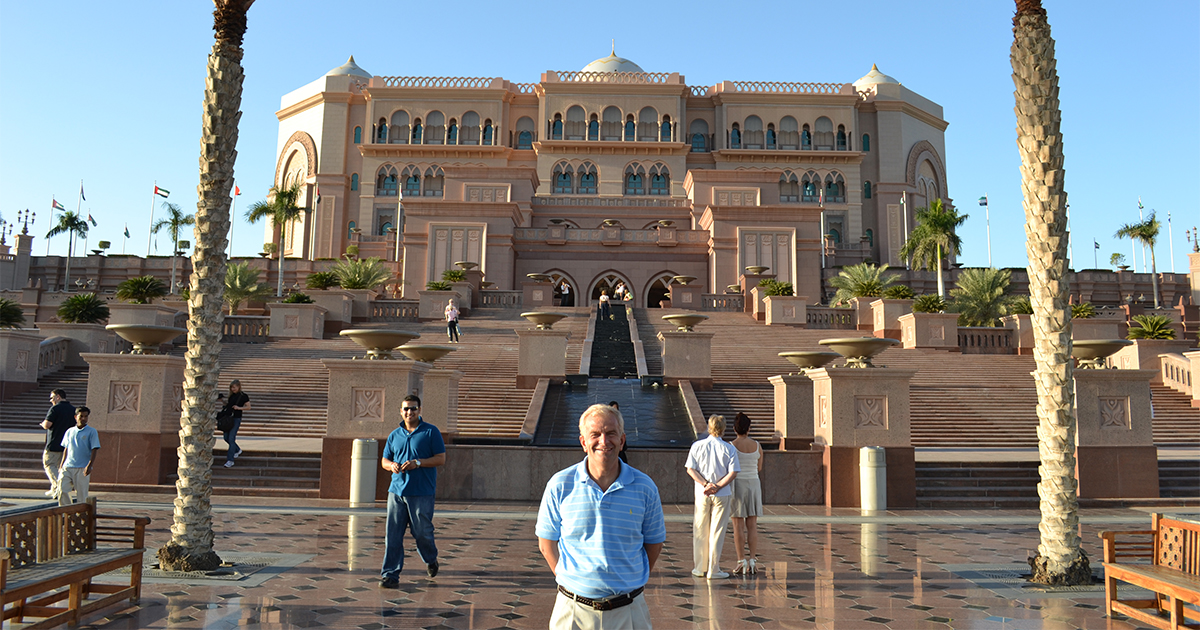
[(600, 528)]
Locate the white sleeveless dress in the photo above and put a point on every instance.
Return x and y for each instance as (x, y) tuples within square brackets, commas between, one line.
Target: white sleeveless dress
[(747, 491)]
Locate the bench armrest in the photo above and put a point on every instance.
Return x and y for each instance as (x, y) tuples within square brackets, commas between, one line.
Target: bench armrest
[(135, 534), (1114, 548), (6, 553)]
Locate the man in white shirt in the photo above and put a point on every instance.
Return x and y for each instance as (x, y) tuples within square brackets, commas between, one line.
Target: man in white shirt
[(713, 464)]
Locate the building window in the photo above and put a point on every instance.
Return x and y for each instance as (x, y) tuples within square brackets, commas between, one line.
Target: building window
[(383, 229), (381, 130), (488, 132), (835, 236), (698, 143), (752, 133), (417, 130), (556, 128), (354, 182), (350, 229), (525, 140), (635, 180), (789, 188), (866, 143), (735, 137), (809, 186), (412, 182), (835, 189), (587, 181), (771, 136), (665, 130), (789, 135), (630, 129), (469, 134), (563, 179), (452, 132), (866, 190), (593, 132), (398, 130), (805, 139), (434, 182), (841, 138), (870, 237), (386, 183), (660, 180), (358, 135)]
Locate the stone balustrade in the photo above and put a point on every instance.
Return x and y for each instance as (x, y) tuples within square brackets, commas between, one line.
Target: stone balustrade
[(394, 311), (730, 302), (1177, 372), (493, 298), (986, 340), (52, 355), (246, 329), (825, 317)]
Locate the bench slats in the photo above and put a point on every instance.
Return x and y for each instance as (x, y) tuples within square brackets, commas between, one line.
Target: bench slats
[(1173, 572)]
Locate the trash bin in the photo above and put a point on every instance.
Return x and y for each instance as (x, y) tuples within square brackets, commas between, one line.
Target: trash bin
[(363, 461), (872, 478)]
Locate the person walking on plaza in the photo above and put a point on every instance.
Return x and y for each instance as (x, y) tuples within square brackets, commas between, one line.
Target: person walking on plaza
[(747, 496), (600, 528), (452, 320), (80, 445), (713, 464), (237, 402), (59, 418), (604, 310), (412, 454)]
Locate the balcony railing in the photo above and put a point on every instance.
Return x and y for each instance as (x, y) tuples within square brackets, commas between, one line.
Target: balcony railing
[(52, 355), (394, 311), (246, 329), (985, 340), (824, 317), (493, 298), (725, 302), (1177, 372)]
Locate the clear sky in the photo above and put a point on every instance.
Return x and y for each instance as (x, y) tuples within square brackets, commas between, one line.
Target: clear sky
[(110, 93)]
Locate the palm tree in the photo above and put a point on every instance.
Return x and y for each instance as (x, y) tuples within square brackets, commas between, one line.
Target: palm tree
[(981, 298), (191, 545), (74, 225), (934, 238), (175, 220), (281, 207), (241, 284), (861, 280), (1060, 558), (1147, 233)]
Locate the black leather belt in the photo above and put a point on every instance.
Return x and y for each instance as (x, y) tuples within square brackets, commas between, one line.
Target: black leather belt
[(608, 603)]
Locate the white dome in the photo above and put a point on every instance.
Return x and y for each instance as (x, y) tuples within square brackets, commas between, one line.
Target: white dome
[(874, 77), (348, 69), (612, 63)]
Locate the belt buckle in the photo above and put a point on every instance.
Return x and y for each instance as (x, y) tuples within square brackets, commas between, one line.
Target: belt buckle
[(606, 603)]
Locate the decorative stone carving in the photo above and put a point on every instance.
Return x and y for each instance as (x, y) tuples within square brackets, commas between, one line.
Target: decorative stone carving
[(823, 406), (870, 412), (291, 322), (368, 404), (539, 295), (937, 331), (22, 360), (124, 397), (177, 398), (1114, 412)]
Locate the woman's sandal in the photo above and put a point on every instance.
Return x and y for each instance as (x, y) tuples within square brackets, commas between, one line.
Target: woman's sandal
[(741, 568), (752, 567)]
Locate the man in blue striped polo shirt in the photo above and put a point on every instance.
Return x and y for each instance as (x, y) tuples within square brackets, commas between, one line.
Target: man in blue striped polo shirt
[(600, 528)]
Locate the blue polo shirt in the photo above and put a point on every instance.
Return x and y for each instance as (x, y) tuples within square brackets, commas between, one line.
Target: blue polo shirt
[(402, 445), (601, 534)]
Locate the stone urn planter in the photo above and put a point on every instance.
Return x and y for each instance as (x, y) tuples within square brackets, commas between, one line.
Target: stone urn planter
[(807, 360), (147, 314), (1093, 353), (425, 354), (544, 320), (379, 343), (686, 322), (146, 339), (859, 350)]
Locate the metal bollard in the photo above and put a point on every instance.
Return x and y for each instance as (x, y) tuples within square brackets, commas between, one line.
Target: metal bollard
[(872, 478), (363, 461)]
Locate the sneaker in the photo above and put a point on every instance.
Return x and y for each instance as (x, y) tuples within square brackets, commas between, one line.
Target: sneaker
[(238, 454), (229, 464), (697, 573), (432, 569), (389, 583), (717, 575)]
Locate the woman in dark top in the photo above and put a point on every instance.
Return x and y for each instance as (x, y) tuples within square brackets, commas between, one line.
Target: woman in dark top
[(237, 402)]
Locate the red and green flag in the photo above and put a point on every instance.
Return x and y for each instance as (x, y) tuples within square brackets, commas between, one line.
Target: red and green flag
[(54, 205), (162, 192), (91, 220)]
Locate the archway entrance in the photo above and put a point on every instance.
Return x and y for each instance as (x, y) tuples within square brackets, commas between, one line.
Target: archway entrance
[(658, 289), (558, 279), (607, 282)]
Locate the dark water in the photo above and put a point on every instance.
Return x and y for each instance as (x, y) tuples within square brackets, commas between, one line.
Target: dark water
[(655, 417)]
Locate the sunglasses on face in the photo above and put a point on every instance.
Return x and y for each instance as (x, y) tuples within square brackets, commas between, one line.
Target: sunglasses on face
[(410, 408)]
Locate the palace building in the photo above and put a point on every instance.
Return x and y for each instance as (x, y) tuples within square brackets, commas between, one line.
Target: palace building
[(608, 174)]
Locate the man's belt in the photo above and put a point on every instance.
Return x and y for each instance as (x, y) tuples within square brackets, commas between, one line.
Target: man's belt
[(608, 603)]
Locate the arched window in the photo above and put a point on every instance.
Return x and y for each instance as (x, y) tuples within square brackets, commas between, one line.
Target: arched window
[(587, 179), (866, 143), (835, 188), (383, 228), (752, 133), (660, 180), (735, 137), (870, 237), (434, 182), (841, 138), (469, 133), (635, 180), (435, 128), (771, 136), (610, 124), (488, 133), (593, 130), (350, 229), (564, 180), (789, 188), (525, 133), (576, 125), (354, 181), (866, 190), (805, 138), (789, 135), (398, 134), (412, 182), (556, 128), (809, 186), (698, 130), (647, 128), (664, 134), (630, 128), (417, 131), (386, 182), (823, 138), (358, 135), (381, 130), (835, 236), (452, 132)]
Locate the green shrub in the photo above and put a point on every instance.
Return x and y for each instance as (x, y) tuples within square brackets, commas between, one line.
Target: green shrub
[(454, 275), (353, 273), (1152, 327), (352, 251), (297, 298), (1021, 306), (438, 285), (1083, 310), (11, 315), (928, 304), (898, 292), (861, 280), (241, 284), (775, 288), (83, 308), (141, 290), (321, 280)]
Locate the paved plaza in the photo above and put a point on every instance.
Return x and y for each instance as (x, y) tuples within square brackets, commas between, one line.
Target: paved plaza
[(316, 564)]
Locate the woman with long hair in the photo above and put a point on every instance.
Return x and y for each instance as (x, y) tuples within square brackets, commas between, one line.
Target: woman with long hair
[(237, 402), (747, 496)]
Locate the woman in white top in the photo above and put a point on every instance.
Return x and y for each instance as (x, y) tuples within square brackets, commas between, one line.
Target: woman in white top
[(452, 321), (747, 496)]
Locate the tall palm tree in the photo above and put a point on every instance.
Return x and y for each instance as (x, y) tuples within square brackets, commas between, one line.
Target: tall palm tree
[(861, 280), (934, 238), (74, 225), (981, 297), (1146, 232), (1060, 558), (191, 545), (281, 208), (174, 221)]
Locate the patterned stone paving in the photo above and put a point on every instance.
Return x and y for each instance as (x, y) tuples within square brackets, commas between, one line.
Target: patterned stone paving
[(818, 569)]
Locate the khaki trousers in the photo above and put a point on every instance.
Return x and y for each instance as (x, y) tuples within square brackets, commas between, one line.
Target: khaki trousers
[(708, 532), (571, 615), (72, 479), (51, 460)]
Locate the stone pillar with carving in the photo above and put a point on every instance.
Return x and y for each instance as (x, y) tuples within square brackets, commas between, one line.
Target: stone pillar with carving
[(538, 295), (541, 354), (1115, 452), (364, 403), (439, 405), (18, 360), (687, 356), (929, 330), (686, 296), (297, 321), (793, 411), (136, 402), (853, 408)]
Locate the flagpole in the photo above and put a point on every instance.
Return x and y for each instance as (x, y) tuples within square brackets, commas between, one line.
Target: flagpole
[(987, 213), (149, 234), (1140, 219), (125, 239), (52, 202), (232, 218), (904, 213), (1095, 256), (1070, 241), (78, 210), (1171, 240)]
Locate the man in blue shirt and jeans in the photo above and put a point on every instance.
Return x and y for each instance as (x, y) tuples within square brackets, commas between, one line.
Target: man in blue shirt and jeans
[(412, 454)]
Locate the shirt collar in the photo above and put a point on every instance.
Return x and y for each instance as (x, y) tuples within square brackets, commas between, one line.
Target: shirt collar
[(624, 478)]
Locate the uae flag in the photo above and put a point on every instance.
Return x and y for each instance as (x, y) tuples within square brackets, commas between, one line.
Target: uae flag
[(162, 192), (983, 201), (54, 205), (90, 219)]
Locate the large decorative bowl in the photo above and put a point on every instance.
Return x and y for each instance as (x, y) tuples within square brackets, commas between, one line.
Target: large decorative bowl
[(145, 338), (425, 354), (666, 222), (485, 284), (466, 265), (756, 269), (612, 222), (379, 343), (1093, 352), (538, 277), (685, 322), (684, 280), (733, 288), (810, 359), (543, 319), (859, 350)]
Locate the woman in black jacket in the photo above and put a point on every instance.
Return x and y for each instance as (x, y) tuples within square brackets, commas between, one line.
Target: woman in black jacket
[(237, 402)]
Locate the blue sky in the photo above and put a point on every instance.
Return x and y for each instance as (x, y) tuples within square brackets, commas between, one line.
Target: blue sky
[(111, 93)]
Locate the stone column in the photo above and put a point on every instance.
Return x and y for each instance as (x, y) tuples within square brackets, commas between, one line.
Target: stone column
[(18, 360), (1115, 452), (536, 295), (793, 411), (864, 407), (1194, 357), (929, 330), (687, 356), (541, 354), (786, 310), (439, 405), (364, 402), (136, 402), (687, 296), (297, 321), (886, 315)]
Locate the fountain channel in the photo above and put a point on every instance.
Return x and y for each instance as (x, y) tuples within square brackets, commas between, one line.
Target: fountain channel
[(655, 417)]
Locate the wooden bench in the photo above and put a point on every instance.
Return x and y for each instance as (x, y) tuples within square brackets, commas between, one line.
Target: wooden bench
[(50, 554), (1164, 559)]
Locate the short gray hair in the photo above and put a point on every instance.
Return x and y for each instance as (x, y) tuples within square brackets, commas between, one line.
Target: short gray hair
[(602, 410)]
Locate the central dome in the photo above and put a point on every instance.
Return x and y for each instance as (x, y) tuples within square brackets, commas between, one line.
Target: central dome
[(612, 63)]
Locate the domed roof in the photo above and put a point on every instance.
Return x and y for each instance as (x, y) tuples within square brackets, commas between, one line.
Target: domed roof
[(612, 63), (874, 77), (348, 69)]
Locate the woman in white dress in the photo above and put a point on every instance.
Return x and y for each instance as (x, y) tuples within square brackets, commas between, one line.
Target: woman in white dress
[(747, 497)]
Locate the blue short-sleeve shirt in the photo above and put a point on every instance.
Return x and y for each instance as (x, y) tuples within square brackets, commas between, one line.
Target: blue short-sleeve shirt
[(79, 444), (402, 445), (601, 534)]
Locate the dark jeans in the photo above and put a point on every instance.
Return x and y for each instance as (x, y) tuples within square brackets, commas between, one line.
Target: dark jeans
[(415, 513), (231, 440), (452, 329), (604, 311)]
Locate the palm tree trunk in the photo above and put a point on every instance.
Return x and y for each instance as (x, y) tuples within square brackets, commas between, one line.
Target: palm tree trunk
[(279, 252), (1154, 278), (191, 546), (70, 252), (1059, 559), (941, 286)]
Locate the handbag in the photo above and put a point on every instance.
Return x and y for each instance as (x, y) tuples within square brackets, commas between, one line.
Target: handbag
[(225, 420)]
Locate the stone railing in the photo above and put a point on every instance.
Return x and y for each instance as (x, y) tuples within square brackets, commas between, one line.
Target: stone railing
[(523, 88), (1177, 372), (728, 302), (492, 298), (985, 340), (246, 329), (641, 201), (699, 90), (394, 311), (781, 87), (52, 355), (611, 77), (439, 82), (597, 235), (825, 317)]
